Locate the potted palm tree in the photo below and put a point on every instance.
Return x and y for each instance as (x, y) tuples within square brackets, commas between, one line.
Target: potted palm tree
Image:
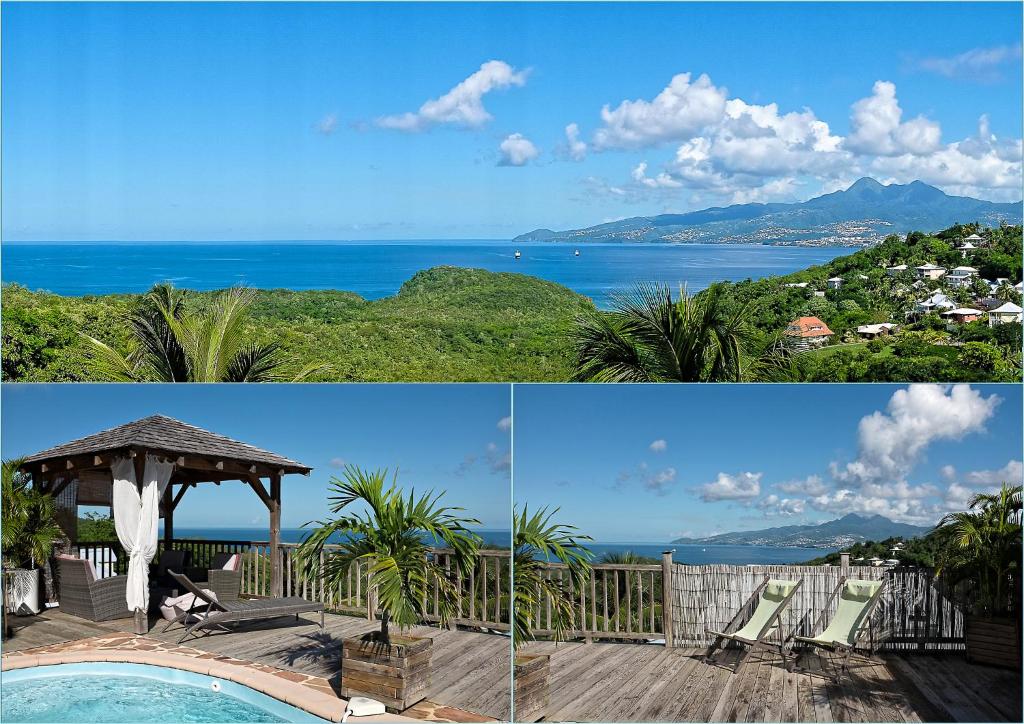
[(980, 562), (392, 536), (537, 542), (29, 533)]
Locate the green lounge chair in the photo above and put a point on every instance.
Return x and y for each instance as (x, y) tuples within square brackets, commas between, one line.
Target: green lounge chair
[(772, 597), (851, 623)]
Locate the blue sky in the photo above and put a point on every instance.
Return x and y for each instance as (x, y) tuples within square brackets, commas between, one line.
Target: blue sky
[(651, 463), (320, 121), (442, 437)]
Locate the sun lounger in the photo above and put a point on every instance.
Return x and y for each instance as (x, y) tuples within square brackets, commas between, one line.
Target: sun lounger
[(207, 612), (772, 597), (851, 626)]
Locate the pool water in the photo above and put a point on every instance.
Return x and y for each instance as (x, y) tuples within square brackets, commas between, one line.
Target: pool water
[(108, 693)]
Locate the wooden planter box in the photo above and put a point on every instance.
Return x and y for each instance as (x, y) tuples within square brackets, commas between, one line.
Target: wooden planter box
[(397, 674), (531, 687), (993, 641)]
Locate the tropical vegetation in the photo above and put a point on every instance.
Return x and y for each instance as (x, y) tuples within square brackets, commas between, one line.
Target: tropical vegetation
[(378, 524), (650, 337), (28, 526), (537, 541), (983, 550), (451, 324), (444, 325)]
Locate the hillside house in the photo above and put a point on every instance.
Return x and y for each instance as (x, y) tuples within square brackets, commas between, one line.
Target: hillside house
[(834, 282), (1008, 313), (871, 331), (963, 315), (896, 270), (796, 285), (961, 276), (935, 303), (807, 333), (929, 271)]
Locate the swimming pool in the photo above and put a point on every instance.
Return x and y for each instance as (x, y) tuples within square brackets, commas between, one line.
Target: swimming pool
[(109, 692)]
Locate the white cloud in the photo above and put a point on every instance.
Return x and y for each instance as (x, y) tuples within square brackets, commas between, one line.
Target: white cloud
[(505, 424), (978, 64), (811, 485), (337, 463), (327, 125), (662, 180), (517, 150), (774, 505), (876, 128), (743, 152), (741, 486), (906, 510), (678, 113), (658, 445), (576, 149), (1012, 474), (463, 104), (891, 443), (660, 482)]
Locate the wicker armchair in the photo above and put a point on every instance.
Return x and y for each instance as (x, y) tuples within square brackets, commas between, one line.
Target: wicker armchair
[(224, 582), (82, 595)]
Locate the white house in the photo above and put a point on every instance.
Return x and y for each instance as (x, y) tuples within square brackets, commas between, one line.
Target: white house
[(962, 276), (935, 303), (834, 282), (895, 270), (796, 285), (929, 271), (970, 244), (1006, 314)]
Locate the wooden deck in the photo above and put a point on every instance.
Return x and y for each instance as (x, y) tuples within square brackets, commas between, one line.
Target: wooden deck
[(649, 683), (471, 670)]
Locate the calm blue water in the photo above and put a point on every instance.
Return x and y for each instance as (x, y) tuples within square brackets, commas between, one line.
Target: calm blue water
[(693, 555), (377, 269), (112, 698)]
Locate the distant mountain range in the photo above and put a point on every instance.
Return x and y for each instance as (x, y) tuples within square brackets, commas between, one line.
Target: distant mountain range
[(862, 214), (839, 533)]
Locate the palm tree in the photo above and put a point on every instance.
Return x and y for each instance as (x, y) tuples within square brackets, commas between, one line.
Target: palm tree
[(651, 337), (391, 537), (171, 344), (29, 520), (537, 541), (983, 547)]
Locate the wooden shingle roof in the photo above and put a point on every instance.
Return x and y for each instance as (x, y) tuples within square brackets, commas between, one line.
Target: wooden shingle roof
[(166, 434)]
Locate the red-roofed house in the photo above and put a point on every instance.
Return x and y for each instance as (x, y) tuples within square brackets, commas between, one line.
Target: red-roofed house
[(807, 332)]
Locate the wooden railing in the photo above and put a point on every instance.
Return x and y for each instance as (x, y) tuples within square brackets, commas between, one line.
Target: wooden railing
[(483, 601), (617, 601)]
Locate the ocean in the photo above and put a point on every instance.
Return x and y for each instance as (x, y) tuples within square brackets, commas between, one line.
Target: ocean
[(377, 269), (689, 554)]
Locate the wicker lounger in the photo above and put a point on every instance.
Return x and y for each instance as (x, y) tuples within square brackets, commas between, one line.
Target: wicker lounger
[(207, 612)]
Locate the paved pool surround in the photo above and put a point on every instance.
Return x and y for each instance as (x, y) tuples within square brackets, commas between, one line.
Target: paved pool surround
[(312, 694)]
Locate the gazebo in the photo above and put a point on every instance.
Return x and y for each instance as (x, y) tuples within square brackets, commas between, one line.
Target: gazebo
[(155, 453)]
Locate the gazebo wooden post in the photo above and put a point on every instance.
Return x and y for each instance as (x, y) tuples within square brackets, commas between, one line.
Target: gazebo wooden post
[(139, 461), (275, 535), (168, 517)]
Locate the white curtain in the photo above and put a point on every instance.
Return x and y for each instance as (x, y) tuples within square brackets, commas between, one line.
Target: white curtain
[(137, 519)]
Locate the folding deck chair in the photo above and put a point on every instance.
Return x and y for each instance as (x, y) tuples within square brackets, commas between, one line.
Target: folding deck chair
[(772, 597), (850, 624)]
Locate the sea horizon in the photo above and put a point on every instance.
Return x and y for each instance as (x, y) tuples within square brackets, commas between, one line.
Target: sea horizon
[(693, 554), (378, 269)]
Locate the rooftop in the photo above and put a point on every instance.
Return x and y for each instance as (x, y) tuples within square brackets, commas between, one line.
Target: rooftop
[(165, 434), (808, 327)]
